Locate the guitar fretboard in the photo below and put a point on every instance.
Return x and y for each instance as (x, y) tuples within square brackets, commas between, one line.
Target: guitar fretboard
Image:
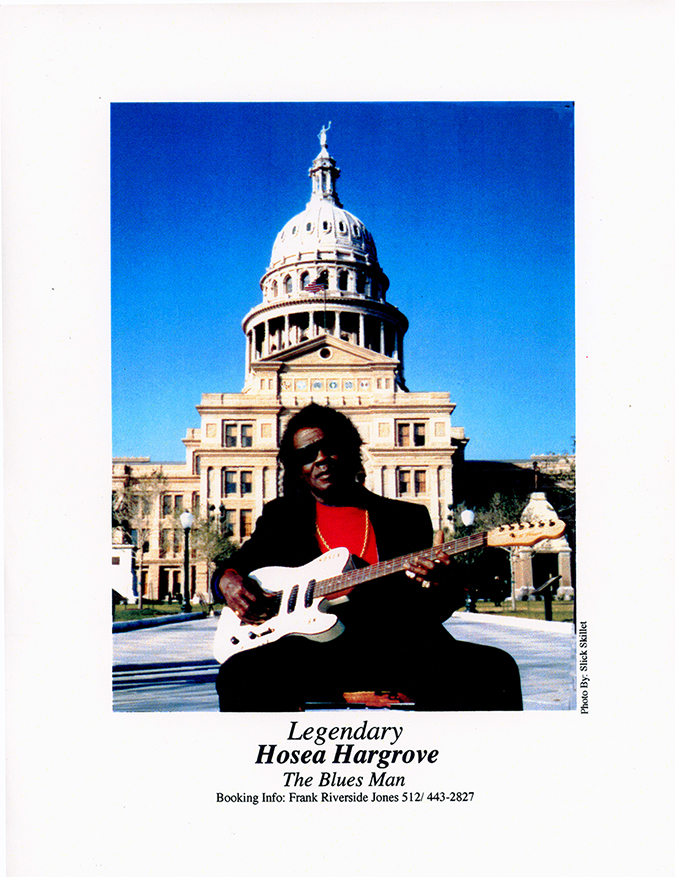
[(353, 577)]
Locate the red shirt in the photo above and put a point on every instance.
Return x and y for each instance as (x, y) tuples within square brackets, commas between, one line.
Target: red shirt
[(348, 527)]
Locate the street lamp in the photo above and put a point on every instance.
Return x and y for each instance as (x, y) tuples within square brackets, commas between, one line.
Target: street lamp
[(187, 519), (468, 517)]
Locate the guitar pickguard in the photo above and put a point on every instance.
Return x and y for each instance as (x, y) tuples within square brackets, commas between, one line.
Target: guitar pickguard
[(299, 612)]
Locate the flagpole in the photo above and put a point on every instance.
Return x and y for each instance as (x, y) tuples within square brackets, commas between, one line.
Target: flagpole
[(325, 316)]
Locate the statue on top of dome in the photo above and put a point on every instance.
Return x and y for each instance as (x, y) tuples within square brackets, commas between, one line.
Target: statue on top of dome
[(322, 135)]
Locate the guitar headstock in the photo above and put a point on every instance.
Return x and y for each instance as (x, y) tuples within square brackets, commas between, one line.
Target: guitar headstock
[(524, 534)]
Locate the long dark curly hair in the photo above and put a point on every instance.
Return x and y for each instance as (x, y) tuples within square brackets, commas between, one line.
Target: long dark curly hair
[(334, 425)]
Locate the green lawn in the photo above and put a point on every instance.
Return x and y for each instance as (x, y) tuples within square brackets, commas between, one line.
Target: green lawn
[(562, 610), (149, 610)]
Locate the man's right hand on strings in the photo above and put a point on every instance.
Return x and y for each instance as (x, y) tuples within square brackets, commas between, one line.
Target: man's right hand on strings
[(246, 598)]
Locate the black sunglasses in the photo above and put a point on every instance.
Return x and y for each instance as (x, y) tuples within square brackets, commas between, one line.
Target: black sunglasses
[(308, 454)]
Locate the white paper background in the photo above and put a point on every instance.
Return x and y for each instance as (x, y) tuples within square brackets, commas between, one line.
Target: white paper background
[(91, 792)]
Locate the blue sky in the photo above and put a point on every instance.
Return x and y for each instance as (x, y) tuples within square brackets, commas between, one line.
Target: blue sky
[(471, 207)]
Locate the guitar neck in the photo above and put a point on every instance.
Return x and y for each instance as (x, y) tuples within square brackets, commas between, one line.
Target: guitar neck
[(387, 567)]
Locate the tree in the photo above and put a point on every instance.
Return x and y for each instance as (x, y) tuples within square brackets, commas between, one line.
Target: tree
[(132, 509), (484, 572), (503, 508), (212, 540)]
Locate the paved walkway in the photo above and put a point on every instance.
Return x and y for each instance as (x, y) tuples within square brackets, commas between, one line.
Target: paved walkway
[(172, 669), (545, 652)]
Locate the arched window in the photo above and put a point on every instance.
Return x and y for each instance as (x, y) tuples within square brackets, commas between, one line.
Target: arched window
[(288, 284), (322, 279), (360, 283), (304, 278), (343, 278), (275, 289)]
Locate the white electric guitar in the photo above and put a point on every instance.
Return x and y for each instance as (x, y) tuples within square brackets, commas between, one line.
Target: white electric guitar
[(301, 593)]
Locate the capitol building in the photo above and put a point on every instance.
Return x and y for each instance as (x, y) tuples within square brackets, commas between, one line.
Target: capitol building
[(324, 331)]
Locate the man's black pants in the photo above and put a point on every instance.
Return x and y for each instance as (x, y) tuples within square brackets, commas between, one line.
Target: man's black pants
[(431, 667)]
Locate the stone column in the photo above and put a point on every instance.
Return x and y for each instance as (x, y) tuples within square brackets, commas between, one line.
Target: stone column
[(565, 590), (388, 482), (258, 491), (523, 574), (448, 497), (435, 476)]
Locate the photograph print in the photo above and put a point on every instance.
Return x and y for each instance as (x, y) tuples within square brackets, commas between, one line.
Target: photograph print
[(343, 406)]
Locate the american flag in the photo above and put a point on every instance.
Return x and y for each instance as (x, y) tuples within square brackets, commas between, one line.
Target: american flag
[(314, 287)]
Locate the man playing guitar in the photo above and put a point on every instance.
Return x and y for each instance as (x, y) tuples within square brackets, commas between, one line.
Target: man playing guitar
[(390, 635)]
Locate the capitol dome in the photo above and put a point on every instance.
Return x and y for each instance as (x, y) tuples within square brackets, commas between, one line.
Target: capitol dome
[(324, 279), (323, 225), (325, 244)]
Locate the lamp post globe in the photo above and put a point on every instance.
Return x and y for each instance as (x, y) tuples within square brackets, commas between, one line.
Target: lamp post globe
[(187, 519), (468, 517)]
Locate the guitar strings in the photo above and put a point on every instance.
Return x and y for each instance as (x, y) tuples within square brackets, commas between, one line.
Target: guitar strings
[(387, 567)]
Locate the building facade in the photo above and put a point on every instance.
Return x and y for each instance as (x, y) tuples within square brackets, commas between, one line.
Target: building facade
[(323, 332)]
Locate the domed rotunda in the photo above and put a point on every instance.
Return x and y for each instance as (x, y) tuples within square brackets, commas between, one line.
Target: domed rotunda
[(324, 279)]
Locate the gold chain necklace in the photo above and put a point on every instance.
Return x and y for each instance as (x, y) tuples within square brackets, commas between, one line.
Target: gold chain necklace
[(365, 536)]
